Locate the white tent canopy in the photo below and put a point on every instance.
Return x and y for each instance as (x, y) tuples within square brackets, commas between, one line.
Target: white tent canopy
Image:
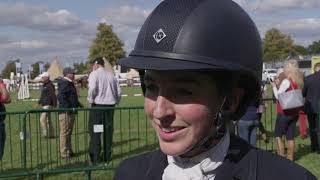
[(132, 74), (55, 70)]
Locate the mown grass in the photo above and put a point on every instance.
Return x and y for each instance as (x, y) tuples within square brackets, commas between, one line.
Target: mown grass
[(132, 135)]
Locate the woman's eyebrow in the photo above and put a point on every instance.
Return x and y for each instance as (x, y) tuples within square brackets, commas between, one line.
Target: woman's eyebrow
[(180, 80), (148, 78), (185, 80)]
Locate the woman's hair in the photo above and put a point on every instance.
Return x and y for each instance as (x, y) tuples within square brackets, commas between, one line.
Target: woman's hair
[(292, 71), (226, 82), (316, 67), (281, 77)]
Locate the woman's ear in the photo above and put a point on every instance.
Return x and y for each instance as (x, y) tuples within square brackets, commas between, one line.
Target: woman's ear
[(237, 95)]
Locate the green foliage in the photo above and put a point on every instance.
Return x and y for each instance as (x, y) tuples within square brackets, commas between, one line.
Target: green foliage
[(46, 66), (300, 50), (314, 48), (106, 44), (276, 45), (10, 67), (81, 68), (36, 69)]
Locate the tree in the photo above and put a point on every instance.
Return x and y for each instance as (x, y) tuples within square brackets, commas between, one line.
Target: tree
[(106, 44), (46, 66), (276, 45), (81, 68), (36, 69), (314, 48), (10, 67), (300, 50)]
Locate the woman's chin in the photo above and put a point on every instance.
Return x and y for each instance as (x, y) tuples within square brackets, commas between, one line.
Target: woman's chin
[(172, 149)]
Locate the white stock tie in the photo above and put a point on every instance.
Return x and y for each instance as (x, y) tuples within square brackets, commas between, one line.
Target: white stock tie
[(200, 167)]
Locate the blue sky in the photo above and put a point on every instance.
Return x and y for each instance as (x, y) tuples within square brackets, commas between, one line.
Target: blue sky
[(34, 30)]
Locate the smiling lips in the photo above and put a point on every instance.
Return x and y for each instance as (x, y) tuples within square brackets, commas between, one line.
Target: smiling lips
[(169, 133), (171, 129)]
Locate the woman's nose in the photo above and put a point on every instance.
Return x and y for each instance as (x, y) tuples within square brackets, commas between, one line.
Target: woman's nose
[(163, 108)]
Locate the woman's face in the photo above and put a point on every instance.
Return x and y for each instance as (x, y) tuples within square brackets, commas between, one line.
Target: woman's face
[(181, 106)]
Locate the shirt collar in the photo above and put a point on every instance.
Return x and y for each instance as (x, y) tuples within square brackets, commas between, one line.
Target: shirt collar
[(208, 161), (99, 68), (215, 154), (66, 78)]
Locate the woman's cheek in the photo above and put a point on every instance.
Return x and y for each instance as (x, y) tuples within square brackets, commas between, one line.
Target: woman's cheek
[(148, 107), (193, 112)]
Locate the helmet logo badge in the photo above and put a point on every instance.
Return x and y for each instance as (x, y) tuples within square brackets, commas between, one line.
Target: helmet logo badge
[(159, 35)]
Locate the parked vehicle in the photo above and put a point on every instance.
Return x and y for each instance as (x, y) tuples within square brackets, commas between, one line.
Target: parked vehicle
[(269, 74)]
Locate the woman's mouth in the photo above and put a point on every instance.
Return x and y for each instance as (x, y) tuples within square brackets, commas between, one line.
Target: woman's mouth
[(170, 133), (171, 129)]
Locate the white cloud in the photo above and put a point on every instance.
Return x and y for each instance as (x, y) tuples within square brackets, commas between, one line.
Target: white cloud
[(59, 20), (33, 44), (50, 33), (126, 22), (268, 6), (37, 17), (30, 51), (292, 17), (3, 40), (278, 5), (125, 15), (304, 31)]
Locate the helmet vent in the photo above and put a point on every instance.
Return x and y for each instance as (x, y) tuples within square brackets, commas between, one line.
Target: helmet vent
[(164, 24)]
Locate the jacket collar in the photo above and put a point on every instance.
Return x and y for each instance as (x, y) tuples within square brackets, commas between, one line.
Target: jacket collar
[(238, 164), (66, 78), (157, 165)]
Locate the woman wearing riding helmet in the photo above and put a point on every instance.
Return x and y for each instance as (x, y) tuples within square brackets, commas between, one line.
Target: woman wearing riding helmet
[(202, 62)]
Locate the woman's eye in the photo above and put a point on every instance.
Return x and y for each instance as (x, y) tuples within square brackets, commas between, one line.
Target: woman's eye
[(183, 91), (151, 87)]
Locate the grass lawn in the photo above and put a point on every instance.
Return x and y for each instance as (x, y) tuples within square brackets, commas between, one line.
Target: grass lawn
[(132, 135)]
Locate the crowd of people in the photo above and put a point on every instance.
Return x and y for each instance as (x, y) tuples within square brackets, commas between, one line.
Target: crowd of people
[(103, 91), (288, 78)]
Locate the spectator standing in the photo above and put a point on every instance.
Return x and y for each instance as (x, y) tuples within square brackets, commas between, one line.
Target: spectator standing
[(104, 91), (48, 100), (248, 124), (302, 124), (68, 98), (287, 119), (311, 92), (260, 110), (4, 99)]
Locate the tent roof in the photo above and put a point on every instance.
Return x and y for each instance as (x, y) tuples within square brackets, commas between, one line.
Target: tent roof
[(55, 70), (132, 74)]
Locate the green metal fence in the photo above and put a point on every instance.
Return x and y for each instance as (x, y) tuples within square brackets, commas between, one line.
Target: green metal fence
[(268, 120), (27, 153)]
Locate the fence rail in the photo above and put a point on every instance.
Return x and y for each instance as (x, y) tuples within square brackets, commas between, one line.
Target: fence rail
[(27, 153)]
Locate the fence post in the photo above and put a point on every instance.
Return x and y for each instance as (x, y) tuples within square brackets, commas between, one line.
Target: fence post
[(88, 175), (39, 176), (24, 139)]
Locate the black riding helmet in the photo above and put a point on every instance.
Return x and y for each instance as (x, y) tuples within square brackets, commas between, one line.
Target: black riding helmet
[(201, 35)]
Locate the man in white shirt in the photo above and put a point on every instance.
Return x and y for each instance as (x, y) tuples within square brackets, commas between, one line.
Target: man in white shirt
[(104, 91)]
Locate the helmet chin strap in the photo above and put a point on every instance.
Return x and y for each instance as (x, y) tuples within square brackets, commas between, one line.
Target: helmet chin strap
[(219, 121)]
